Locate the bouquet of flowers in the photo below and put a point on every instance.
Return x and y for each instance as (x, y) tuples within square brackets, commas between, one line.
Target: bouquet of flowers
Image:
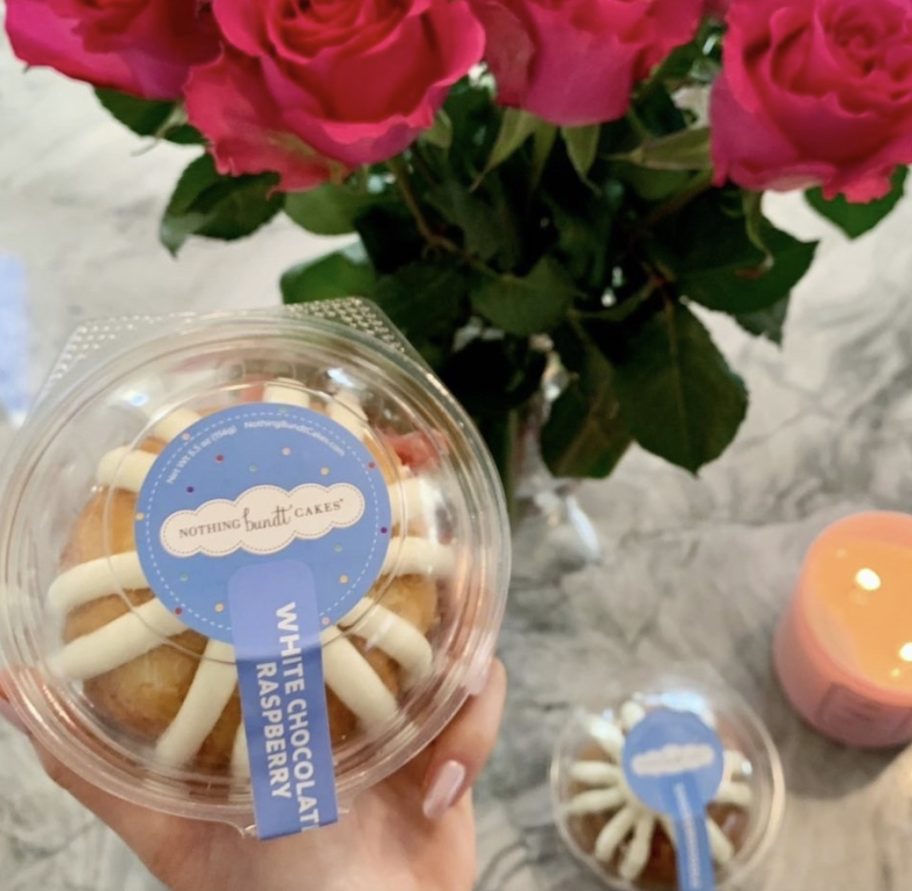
[(537, 189)]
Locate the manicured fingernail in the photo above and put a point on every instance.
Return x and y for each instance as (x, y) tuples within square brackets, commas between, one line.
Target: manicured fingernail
[(444, 790), (8, 713), (480, 681)]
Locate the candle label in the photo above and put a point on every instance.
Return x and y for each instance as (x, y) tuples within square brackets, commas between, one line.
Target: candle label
[(674, 763)]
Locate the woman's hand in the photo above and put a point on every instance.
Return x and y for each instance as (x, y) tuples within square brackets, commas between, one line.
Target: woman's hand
[(413, 832)]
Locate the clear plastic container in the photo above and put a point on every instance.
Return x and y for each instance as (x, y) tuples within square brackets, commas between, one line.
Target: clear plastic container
[(749, 819), (70, 493)]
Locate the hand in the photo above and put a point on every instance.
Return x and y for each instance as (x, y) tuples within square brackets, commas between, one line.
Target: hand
[(413, 832)]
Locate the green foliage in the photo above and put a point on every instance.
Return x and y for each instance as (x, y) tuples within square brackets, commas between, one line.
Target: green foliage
[(678, 395), (345, 273), (215, 206), (856, 219), (145, 117), (503, 245)]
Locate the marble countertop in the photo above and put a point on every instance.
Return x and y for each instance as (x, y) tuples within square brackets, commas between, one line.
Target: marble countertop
[(691, 569)]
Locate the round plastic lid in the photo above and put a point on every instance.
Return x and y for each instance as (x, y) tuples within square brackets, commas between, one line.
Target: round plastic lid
[(607, 826), (259, 439), (856, 599)]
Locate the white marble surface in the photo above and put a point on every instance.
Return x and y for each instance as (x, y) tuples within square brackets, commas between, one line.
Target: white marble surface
[(694, 569)]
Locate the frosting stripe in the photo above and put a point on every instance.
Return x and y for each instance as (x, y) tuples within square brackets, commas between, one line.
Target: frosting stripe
[(419, 556), (240, 760), (174, 424), (286, 394), (125, 468), (613, 834), (97, 578), (129, 636), (213, 684), (395, 636), (637, 855), (350, 676)]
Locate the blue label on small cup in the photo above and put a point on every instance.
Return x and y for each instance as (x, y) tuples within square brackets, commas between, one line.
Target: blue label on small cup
[(260, 526), (280, 673), (674, 763)]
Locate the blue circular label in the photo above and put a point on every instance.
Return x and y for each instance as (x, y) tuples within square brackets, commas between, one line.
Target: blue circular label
[(669, 746), (247, 484)]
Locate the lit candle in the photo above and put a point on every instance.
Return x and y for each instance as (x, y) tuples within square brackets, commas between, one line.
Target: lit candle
[(843, 650)]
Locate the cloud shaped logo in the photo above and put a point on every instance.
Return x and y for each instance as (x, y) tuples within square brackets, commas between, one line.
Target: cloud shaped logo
[(672, 759), (262, 520)]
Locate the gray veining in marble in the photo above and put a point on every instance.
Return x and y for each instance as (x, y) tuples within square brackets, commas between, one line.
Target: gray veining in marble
[(692, 569)]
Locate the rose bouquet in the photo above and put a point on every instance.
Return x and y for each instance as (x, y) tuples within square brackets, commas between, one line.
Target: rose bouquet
[(540, 189)]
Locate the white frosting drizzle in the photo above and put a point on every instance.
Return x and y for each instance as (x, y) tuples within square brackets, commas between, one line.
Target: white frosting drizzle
[(614, 833), (419, 556), (395, 636), (631, 715), (213, 684), (596, 801), (630, 819), (346, 410), (350, 676), (97, 578), (127, 637), (609, 736), (286, 392), (595, 773), (637, 855), (417, 495), (735, 794), (124, 468), (174, 424), (240, 761)]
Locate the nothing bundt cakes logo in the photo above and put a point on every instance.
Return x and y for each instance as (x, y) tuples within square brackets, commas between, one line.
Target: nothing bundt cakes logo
[(262, 520)]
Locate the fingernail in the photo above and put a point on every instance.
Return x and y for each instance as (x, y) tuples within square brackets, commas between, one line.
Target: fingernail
[(8, 713), (480, 681), (444, 790)]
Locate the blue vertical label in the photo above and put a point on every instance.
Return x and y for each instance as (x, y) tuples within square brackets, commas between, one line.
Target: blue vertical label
[(276, 628), (262, 525), (673, 762)]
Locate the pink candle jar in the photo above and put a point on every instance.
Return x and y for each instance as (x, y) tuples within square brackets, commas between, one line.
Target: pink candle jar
[(843, 650)]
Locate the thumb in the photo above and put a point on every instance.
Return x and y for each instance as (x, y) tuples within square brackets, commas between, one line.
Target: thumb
[(462, 750)]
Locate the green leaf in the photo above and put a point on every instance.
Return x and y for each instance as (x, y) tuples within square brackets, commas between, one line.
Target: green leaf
[(768, 323), (528, 305), (481, 228), (492, 376), (146, 117), (711, 249), (516, 127), (345, 273), (684, 150), (582, 145), (585, 434), (428, 301), (215, 206), (738, 289), (440, 133), (856, 219), (542, 143), (329, 209), (677, 393), (390, 236)]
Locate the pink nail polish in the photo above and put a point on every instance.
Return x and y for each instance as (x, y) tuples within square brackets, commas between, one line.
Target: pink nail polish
[(8, 713), (444, 791), (477, 684)]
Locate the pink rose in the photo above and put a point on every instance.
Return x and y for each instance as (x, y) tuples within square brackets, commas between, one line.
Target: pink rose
[(305, 89), (815, 92), (575, 62), (143, 47), (716, 8)]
